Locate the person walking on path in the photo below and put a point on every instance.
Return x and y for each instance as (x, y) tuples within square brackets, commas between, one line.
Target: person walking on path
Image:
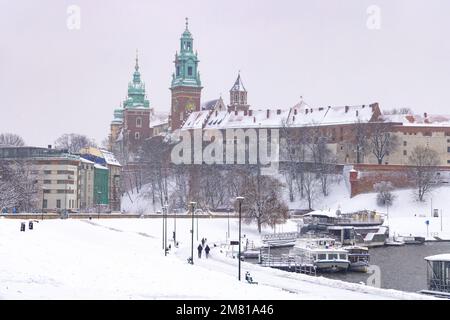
[(207, 251), (199, 249)]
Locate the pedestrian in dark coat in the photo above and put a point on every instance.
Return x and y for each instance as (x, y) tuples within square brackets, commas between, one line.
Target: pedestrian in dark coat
[(203, 242), (207, 251), (199, 249)]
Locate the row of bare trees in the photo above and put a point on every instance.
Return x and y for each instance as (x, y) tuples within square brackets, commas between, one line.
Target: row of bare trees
[(18, 186)]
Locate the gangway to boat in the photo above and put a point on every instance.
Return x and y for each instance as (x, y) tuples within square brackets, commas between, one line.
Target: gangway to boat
[(287, 263)]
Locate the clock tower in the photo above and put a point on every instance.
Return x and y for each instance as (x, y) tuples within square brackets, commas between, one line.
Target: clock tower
[(186, 85)]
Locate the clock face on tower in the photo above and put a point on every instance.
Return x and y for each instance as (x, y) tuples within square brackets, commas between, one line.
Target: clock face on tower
[(190, 106)]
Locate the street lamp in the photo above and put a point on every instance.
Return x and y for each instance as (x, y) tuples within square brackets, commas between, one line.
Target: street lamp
[(192, 231), (240, 199), (165, 228), (99, 193), (175, 227), (162, 234)]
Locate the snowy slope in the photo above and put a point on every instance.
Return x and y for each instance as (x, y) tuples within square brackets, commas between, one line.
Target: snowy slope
[(123, 259)]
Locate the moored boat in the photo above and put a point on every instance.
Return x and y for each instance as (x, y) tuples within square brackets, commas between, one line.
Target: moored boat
[(359, 258), (324, 253)]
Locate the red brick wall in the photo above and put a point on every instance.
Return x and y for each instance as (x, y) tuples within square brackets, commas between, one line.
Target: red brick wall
[(181, 96), (130, 116), (368, 175)]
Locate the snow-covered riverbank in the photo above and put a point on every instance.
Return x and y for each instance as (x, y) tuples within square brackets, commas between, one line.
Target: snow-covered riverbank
[(123, 259)]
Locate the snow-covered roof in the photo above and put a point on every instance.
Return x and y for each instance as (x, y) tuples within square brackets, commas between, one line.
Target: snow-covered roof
[(300, 115), (209, 105), (86, 161), (329, 213), (110, 158), (196, 120), (158, 119), (99, 166), (305, 115), (439, 257), (414, 120)]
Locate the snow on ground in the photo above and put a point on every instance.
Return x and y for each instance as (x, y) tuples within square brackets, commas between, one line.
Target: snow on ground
[(123, 259)]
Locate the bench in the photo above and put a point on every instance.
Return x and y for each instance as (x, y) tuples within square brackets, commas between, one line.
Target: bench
[(249, 278)]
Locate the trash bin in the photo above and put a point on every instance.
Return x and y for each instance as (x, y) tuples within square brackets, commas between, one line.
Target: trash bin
[(22, 226), (30, 225)]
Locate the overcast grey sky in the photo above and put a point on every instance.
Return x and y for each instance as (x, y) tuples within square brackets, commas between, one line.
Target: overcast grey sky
[(54, 80)]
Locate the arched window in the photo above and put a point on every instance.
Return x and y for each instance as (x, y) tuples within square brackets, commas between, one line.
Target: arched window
[(139, 122)]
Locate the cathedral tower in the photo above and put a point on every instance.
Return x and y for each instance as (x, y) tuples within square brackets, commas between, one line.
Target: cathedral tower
[(186, 85), (238, 96)]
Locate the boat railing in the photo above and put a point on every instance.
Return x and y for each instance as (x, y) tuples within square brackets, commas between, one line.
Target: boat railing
[(280, 236)]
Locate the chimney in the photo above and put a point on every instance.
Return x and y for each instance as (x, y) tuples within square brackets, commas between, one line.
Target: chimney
[(356, 112), (49, 146), (425, 115), (278, 111), (295, 111), (254, 119), (235, 112), (306, 111), (293, 119), (268, 113), (311, 110), (245, 112), (320, 109), (346, 109), (250, 112), (216, 113)]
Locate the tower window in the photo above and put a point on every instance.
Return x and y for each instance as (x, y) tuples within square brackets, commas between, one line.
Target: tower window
[(137, 136), (178, 71), (189, 46), (189, 71), (138, 122)]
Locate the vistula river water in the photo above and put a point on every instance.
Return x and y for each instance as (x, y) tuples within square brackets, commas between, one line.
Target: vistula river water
[(402, 268)]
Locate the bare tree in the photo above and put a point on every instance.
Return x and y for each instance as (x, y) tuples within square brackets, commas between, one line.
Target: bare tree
[(18, 186), (361, 140), (384, 189), (311, 186), (382, 142), (11, 139), (263, 202), (423, 171), (73, 142)]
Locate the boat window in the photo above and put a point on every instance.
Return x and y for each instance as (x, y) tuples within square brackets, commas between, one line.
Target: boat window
[(342, 256), (332, 256), (322, 256)]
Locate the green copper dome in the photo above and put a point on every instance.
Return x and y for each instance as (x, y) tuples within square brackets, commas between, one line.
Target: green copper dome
[(136, 91), (186, 63)]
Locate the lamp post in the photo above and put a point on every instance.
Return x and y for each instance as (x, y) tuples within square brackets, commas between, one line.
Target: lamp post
[(43, 193), (192, 231), (165, 229), (99, 193), (162, 234), (240, 199), (175, 227), (197, 227)]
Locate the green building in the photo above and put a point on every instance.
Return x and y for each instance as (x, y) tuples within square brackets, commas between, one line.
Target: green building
[(101, 185)]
